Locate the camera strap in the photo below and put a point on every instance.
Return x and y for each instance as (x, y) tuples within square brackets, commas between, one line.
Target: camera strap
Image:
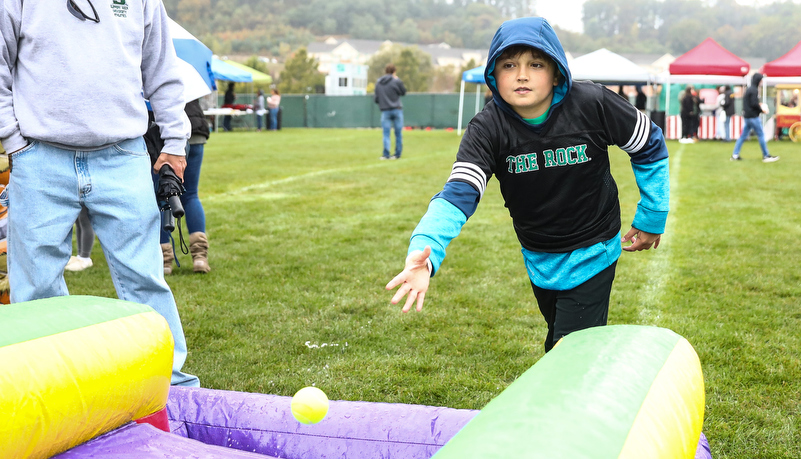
[(181, 242)]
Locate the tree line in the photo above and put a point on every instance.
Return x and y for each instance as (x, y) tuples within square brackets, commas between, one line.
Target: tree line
[(280, 28)]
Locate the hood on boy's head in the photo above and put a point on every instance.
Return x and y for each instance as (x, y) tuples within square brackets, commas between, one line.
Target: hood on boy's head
[(756, 79), (536, 33)]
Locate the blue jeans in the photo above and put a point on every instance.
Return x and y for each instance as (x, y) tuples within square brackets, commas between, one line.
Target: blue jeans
[(46, 189), (751, 124), (194, 215), (392, 119), (259, 119), (274, 118), (726, 125)]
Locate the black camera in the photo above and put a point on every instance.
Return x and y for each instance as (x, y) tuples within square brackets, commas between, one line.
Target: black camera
[(170, 189)]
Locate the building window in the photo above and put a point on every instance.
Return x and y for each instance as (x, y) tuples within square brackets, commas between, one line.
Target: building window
[(343, 82)]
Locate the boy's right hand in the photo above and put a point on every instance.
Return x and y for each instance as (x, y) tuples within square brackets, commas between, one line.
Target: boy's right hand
[(413, 280)]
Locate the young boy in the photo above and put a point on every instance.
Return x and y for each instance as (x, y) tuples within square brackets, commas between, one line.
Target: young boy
[(545, 138)]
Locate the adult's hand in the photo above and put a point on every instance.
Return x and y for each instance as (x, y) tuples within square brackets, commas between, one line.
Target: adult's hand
[(177, 162)]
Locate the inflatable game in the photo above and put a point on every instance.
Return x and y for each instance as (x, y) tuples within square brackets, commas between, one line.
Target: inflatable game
[(89, 377)]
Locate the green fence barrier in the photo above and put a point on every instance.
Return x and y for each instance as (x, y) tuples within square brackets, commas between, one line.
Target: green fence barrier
[(419, 110)]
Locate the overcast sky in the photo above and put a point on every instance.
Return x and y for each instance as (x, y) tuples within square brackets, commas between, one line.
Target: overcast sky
[(567, 13)]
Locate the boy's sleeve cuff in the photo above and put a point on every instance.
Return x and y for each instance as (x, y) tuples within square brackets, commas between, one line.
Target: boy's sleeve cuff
[(419, 242), (650, 221)]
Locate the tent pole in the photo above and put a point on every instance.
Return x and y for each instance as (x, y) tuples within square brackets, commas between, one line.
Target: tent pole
[(478, 95), (461, 106), (667, 104)]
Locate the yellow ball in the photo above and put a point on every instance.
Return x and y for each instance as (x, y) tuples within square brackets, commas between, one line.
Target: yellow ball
[(309, 405)]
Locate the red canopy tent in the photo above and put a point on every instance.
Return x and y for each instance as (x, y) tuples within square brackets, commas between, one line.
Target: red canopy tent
[(788, 65), (709, 58), (784, 70), (709, 62)]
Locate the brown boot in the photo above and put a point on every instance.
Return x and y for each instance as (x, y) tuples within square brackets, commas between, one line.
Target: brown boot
[(169, 256), (199, 248)]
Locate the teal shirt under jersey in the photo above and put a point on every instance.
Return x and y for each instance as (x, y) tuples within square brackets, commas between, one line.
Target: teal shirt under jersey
[(552, 271)]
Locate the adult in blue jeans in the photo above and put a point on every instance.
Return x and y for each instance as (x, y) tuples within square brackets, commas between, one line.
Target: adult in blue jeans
[(751, 111), (388, 91), (194, 215), (85, 147)]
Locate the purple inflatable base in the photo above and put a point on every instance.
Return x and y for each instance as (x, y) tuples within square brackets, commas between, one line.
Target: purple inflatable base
[(222, 424), (264, 424), (143, 441)]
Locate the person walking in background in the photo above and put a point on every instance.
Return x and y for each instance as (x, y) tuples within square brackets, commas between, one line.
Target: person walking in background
[(388, 91), (194, 215), (228, 101), (85, 236), (274, 105), (545, 138), (86, 147), (751, 111), (258, 109)]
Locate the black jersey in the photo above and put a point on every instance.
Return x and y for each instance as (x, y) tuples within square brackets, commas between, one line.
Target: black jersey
[(555, 179)]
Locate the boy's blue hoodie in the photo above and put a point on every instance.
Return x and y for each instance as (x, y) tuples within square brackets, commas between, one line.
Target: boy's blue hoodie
[(555, 175), (535, 33)]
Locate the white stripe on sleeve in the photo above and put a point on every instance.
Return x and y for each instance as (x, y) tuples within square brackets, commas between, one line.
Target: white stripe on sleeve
[(470, 173), (640, 136)]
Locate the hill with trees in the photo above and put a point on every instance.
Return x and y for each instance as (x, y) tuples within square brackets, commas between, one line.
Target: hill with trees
[(278, 29)]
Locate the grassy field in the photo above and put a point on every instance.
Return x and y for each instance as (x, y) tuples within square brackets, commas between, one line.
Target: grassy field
[(307, 226)]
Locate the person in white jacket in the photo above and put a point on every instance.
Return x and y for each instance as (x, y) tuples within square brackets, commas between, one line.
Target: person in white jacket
[(720, 115), (95, 64)]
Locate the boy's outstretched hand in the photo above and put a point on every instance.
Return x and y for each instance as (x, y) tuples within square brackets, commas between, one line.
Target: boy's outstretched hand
[(640, 240), (413, 280)]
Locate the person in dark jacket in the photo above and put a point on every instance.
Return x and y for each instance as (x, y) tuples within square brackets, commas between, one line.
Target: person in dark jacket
[(696, 115), (194, 215), (228, 100), (686, 114), (388, 91), (545, 138), (751, 111), (728, 109), (642, 99)]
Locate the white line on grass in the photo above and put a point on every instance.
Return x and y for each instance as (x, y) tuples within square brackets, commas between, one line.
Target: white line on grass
[(269, 184), (658, 269)]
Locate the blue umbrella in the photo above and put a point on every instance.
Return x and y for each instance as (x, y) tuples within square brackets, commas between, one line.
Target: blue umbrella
[(227, 72), (195, 63)]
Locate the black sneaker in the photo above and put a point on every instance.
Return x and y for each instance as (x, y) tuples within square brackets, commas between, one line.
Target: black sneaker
[(736, 158), (770, 159)]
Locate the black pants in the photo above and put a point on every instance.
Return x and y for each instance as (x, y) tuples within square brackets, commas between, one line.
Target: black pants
[(582, 307), (687, 125)]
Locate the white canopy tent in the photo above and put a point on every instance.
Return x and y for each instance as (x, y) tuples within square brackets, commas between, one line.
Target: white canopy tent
[(475, 75), (605, 67)]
